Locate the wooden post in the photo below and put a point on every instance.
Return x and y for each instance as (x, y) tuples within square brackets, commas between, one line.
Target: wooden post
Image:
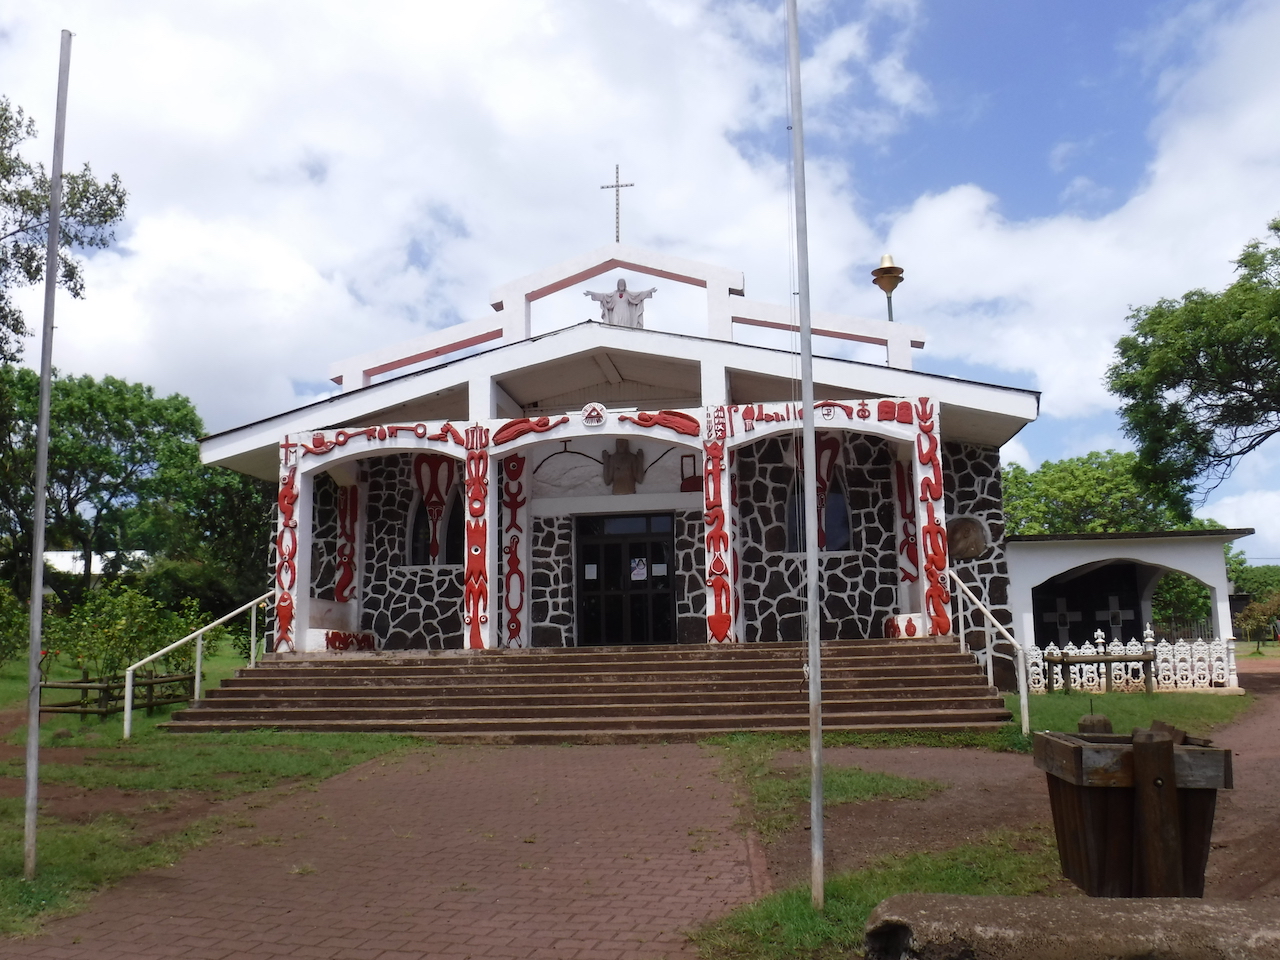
[(84, 695), (1094, 723), (1149, 667), (1157, 829)]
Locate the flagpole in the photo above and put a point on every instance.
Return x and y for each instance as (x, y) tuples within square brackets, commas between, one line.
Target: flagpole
[(810, 466), (42, 468)]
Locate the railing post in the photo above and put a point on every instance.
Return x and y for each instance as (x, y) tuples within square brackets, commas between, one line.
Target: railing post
[(128, 703), (1149, 666), (253, 635), (199, 666), (1020, 664)]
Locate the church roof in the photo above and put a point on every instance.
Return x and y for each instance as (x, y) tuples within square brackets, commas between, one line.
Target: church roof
[(621, 367)]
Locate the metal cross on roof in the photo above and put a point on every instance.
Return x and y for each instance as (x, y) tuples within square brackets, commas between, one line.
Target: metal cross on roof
[(616, 187)]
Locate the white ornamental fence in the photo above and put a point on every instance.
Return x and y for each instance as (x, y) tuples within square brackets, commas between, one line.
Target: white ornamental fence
[(1181, 665)]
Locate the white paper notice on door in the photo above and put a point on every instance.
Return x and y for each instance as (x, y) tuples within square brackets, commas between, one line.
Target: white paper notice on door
[(591, 572), (639, 569), (659, 569)]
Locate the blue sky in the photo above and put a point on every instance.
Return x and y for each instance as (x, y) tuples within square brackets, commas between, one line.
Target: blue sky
[(308, 177)]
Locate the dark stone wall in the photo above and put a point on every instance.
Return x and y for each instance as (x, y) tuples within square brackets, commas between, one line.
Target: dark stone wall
[(324, 534), (858, 584), (972, 488), (551, 586), (404, 607), (690, 581)]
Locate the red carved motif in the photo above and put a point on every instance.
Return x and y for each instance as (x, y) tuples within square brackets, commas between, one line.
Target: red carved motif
[(908, 551), (899, 412), (933, 535), (514, 429), (320, 444), (671, 419), (433, 473), (828, 455), (828, 407), (720, 617), (475, 591), (341, 640), (286, 550), (891, 628), (513, 581), (348, 512)]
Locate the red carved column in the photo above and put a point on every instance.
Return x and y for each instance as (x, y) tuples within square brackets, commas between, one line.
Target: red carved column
[(517, 543), (718, 520), (935, 590), (286, 572), (481, 506)]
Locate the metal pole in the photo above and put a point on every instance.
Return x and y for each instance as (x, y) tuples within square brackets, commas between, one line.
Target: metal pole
[(42, 469), (253, 635), (817, 878)]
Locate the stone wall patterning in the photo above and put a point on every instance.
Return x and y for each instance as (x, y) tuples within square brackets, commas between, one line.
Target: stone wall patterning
[(344, 590)]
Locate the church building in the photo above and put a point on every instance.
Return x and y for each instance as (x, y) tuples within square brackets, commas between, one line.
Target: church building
[(605, 483)]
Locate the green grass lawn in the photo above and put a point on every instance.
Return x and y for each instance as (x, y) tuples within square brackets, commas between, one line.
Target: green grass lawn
[(784, 925), (1197, 713), (76, 859)]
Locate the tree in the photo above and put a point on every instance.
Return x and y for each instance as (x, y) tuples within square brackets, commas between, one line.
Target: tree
[(90, 209), (1102, 493), (113, 446), (1200, 377), (1096, 493)]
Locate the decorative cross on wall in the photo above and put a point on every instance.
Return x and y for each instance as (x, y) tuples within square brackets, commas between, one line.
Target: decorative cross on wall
[(1114, 616), (1063, 619), (616, 187)]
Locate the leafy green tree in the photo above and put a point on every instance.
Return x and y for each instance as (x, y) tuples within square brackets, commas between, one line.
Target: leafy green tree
[(14, 632), (1261, 582), (1200, 377), (1102, 493), (1096, 493), (89, 212), (113, 445)]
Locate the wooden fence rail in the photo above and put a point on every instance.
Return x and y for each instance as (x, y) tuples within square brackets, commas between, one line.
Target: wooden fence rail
[(102, 698)]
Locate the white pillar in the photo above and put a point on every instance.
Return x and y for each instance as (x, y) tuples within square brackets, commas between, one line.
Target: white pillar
[(715, 383), (304, 642), (482, 401)]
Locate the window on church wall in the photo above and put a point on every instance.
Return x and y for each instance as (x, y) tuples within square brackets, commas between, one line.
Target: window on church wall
[(836, 526), (450, 533)]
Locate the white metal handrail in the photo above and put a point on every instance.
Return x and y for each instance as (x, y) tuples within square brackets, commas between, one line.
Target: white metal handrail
[(198, 637), (1019, 657)]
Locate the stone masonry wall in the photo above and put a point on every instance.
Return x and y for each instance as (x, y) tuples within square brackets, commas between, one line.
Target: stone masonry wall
[(971, 477), (406, 607), (324, 537), (858, 583), (552, 583)]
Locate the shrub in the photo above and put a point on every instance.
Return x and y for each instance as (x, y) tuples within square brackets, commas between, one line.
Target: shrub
[(117, 626), (14, 626)]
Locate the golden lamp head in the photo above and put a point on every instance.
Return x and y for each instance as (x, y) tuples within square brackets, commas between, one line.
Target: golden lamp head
[(887, 276)]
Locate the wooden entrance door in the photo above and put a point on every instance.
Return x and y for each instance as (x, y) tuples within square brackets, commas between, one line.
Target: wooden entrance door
[(626, 567)]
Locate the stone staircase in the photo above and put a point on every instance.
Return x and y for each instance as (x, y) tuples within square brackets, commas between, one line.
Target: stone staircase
[(606, 694)]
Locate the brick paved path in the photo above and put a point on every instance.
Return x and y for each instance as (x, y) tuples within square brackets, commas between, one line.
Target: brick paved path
[(565, 852)]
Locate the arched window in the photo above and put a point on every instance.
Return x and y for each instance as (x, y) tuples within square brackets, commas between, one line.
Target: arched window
[(454, 528), (836, 529), (450, 533)]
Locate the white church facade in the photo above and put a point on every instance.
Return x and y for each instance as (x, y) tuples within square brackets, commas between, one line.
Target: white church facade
[(604, 483)]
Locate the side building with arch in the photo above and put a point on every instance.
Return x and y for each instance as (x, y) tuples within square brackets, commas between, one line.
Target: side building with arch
[(488, 487)]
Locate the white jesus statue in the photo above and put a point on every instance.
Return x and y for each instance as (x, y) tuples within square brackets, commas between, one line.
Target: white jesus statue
[(622, 307)]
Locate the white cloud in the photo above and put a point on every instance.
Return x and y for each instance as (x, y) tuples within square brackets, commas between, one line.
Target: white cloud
[(1016, 452), (1259, 509)]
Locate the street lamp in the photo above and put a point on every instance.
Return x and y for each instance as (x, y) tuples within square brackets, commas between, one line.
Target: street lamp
[(887, 277)]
